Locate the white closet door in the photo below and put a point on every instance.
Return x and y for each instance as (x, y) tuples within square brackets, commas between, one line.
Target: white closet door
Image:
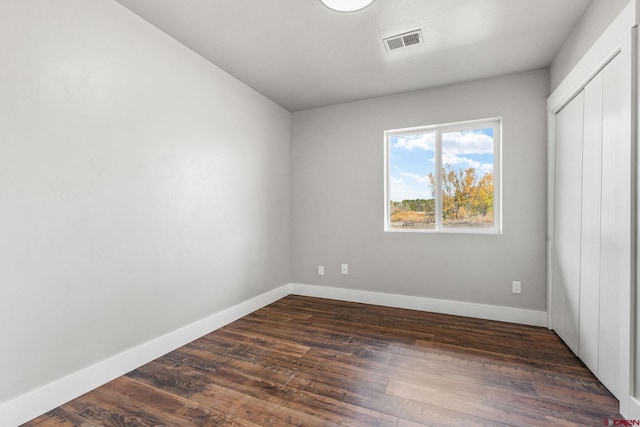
[(568, 205), (591, 207), (616, 240)]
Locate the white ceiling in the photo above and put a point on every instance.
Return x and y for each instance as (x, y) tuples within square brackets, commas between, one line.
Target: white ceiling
[(302, 55)]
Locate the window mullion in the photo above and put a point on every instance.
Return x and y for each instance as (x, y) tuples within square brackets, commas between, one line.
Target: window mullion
[(438, 188)]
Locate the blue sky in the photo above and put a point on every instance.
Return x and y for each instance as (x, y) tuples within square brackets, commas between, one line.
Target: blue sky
[(412, 158)]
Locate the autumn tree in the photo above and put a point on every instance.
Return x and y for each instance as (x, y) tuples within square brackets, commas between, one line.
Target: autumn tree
[(464, 196)]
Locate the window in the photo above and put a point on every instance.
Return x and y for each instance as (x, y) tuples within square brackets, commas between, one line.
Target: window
[(463, 197)]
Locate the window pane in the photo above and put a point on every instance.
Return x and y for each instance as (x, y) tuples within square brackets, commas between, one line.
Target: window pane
[(411, 181), (467, 179)]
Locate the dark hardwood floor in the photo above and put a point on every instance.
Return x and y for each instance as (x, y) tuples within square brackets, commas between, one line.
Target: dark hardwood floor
[(311, 362)]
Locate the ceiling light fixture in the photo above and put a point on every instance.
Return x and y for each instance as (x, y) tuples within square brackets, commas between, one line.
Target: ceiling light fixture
[(346, 5)]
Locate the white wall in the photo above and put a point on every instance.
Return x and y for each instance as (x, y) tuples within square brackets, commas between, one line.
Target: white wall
[(597, 18), (141, 188), (338, 200)]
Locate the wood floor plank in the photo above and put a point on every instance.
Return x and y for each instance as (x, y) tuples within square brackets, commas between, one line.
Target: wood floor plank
[(406, 423), (422, 413), (577, 397), (338, 388), (102, 409), (512, 415), (60, 417), (336, 409), (312, 362), (177, 410), (256, 410), (554, 407)]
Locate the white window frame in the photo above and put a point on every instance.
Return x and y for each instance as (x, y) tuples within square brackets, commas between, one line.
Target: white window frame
[(439, 129)]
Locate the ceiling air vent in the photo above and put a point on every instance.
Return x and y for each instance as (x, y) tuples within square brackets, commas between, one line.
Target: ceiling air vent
[(400, 41)]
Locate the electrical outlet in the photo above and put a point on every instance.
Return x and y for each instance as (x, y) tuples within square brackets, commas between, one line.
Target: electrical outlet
[(516, 287), (321, 270), (345, 269)]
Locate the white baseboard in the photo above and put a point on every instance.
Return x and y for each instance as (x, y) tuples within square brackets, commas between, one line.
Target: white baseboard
[(632, 411), (480, 311), (52, 395)]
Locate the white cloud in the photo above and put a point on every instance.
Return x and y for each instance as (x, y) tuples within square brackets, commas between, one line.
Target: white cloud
[(425, 141), (457, 144), (421, 179), (469, 142), (487, 167), (454, 144), (402, 190), (449, 159), (395, 181)]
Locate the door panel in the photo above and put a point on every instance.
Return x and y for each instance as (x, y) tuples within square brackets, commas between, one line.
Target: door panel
[(568, 204), (616, 240), (591, 207)]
